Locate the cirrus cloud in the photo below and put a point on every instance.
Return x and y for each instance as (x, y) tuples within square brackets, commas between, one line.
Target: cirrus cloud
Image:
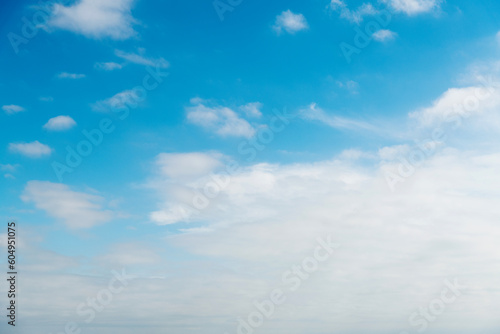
[(74, 209), (12, 109)]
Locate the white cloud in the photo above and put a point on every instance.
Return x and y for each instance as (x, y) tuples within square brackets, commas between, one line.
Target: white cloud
[(413, 7), (127, 97), (252, 109), (8, 167), (46, 98), (95, 18), (384, 35), (173, 170), (182, 165), (268, 216), (74, 209), (221, 120), (459, 102), (66, 75), (12, 109), (355, 16), (290, 22), (60, 123), (108, 66), (32, 150), (141, 59), (314, 113)]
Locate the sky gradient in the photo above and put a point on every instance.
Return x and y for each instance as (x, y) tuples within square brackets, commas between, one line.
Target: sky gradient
[(342, 152)]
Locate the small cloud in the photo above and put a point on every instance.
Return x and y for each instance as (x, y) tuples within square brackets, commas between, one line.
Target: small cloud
[(66, 75), (290, 22), (9, 176), (108, 66), (95, 19), (221, 120), (355, 16), (8, 167), (127, 97), (414, 7), (60, 123), (187, 165), (141, 59), (31, 150), (12, 109), (384, 35), (46, 98), (314, 113), (252, 109)]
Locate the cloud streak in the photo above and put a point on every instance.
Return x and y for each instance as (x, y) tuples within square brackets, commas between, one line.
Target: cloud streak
[(76, 210)]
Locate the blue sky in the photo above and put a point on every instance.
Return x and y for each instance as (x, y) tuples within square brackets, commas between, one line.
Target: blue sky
[(383, 149)]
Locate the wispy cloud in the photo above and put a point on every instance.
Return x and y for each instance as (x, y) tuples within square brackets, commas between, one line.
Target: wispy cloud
[(355, 16), (34, 149), (252, 109), (74, 209), (108, 66), (118, 100), (221, 120), (60, 123), (95, 19), (314, 113), (290, 22), (46, 98), (8, 167), (12, 109), (139, 58), (351, 86), (66, 75)]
